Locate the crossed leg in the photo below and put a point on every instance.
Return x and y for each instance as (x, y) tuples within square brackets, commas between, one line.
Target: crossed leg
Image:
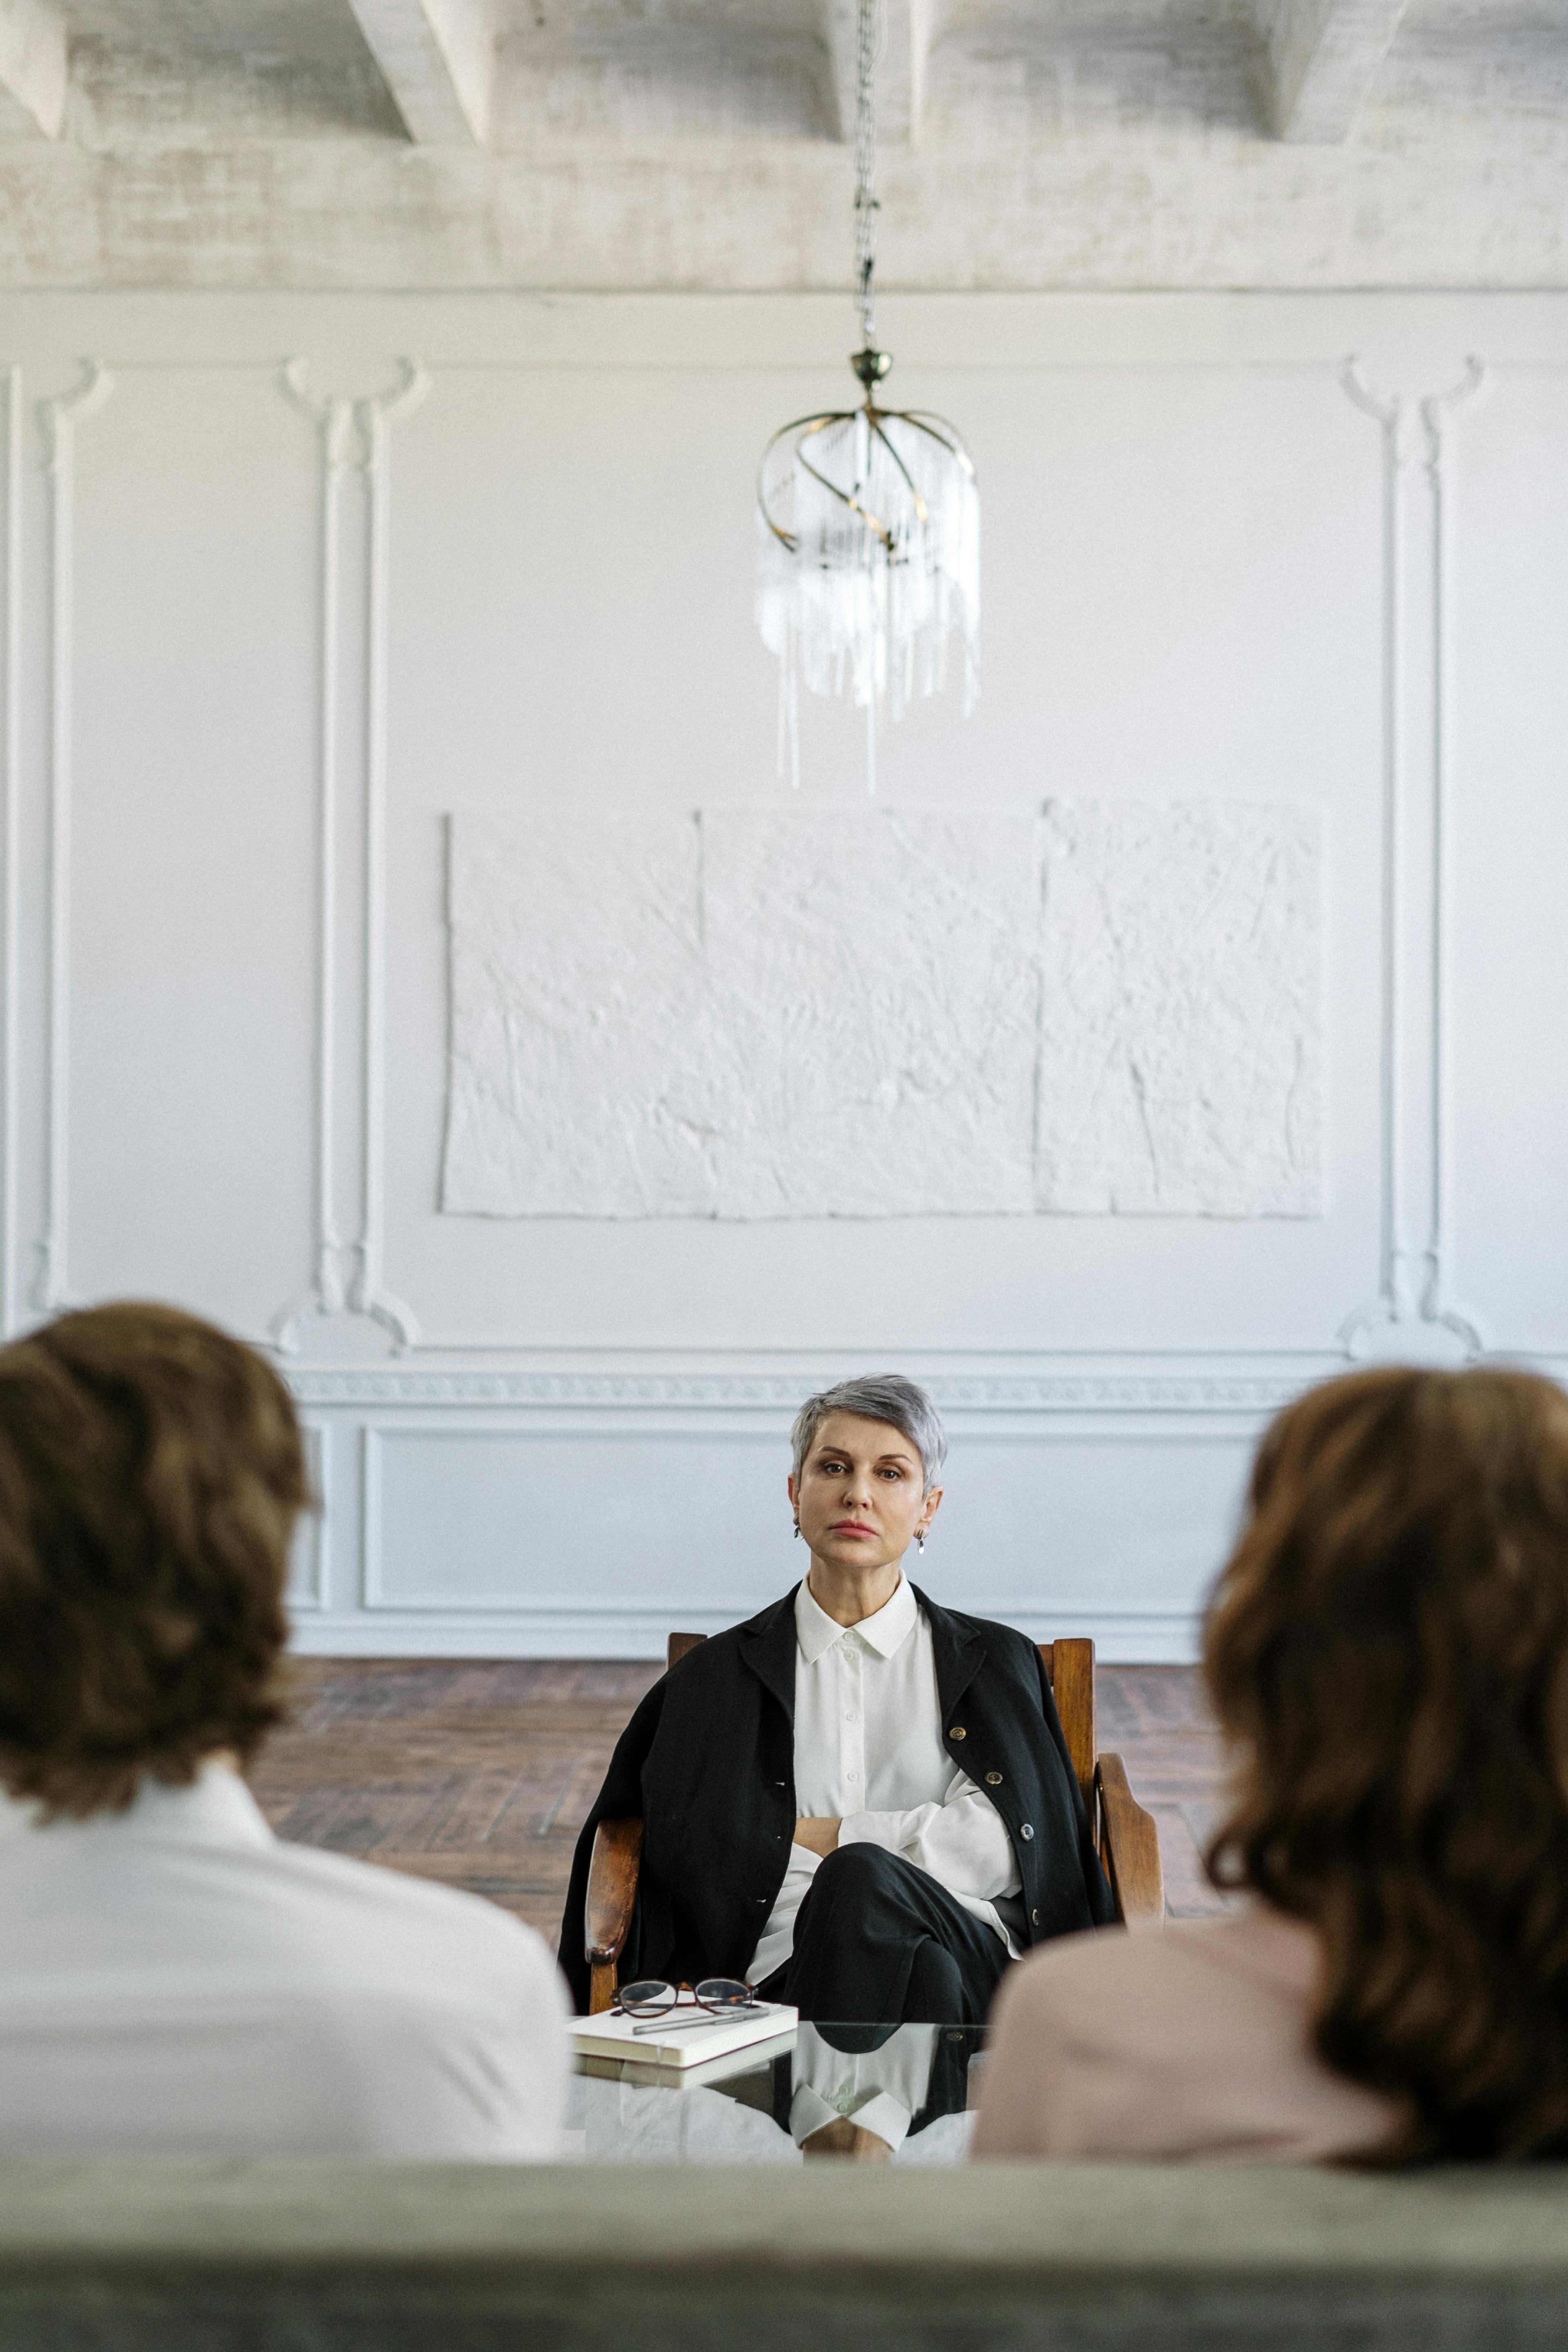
[(878, 1943)]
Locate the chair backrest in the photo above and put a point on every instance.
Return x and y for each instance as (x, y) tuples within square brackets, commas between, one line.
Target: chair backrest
[(1069, 1670)]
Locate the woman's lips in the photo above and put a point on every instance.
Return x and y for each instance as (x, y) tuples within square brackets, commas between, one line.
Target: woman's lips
[(851, 1527)]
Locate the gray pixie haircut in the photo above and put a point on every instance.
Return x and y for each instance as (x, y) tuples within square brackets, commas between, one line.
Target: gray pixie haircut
[(876, 1396)]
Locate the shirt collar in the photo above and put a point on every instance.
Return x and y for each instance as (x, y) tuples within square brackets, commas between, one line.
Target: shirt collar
[(214, 1809), (887, 1631)]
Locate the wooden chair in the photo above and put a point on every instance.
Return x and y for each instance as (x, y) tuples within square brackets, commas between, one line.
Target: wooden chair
[(1128, 1841)]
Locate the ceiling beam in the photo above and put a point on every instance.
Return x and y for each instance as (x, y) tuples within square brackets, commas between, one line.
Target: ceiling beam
[(33, 68), (900, 68), (1322, 59), (437, 57)]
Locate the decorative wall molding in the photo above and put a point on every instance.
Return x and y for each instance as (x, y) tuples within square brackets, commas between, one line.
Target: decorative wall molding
[(60, 416), (1411, 1304), (367, 1293), (307, 1590), (550, 1630), (780, 1392), (347, 1277), (11, 852), (1436, 1308), (333, 418)]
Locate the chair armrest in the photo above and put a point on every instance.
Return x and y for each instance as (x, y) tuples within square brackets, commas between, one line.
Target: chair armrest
[(613, 1869), (1131, 1844)]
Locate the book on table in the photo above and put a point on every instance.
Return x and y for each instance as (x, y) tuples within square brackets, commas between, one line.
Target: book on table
[(683, 2036)]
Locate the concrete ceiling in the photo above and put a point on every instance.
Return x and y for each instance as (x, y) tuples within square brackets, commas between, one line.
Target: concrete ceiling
[(1028, 141), (144, 70)]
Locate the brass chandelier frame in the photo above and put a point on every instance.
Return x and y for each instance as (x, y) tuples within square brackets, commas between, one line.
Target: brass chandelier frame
[(925, 421)]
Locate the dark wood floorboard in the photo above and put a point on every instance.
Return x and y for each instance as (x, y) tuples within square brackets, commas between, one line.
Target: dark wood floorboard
[(480, 1773)]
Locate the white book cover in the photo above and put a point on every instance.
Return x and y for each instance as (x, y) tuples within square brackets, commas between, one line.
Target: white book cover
[(684, 2036)]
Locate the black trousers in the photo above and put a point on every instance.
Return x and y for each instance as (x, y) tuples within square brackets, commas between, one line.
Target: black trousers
[(879, 1942)]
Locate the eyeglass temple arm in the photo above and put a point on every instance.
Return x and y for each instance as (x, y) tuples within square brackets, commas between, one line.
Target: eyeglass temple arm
[(613, 1871)]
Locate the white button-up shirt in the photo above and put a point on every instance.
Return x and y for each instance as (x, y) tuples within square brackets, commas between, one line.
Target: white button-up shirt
[(868, 1750), (175, 1981)]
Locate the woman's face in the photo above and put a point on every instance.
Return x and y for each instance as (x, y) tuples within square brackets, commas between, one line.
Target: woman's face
[(861, 1496)]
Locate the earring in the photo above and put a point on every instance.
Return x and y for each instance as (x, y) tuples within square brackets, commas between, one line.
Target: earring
[(797, 1531), (921, 1537)]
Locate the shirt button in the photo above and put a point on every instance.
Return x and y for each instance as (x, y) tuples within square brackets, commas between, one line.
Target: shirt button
[(1025, 1831), (993, 1780), (851, 1718)]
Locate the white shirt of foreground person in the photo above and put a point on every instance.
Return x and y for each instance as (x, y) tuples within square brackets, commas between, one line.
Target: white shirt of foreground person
[(175, 1981), (868, 1752)]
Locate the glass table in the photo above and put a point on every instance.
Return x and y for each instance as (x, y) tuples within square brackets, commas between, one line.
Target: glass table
[(910, 2088)]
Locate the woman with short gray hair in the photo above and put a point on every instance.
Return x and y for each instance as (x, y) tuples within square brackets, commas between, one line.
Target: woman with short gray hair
[(858, 1802), (876, 1396)]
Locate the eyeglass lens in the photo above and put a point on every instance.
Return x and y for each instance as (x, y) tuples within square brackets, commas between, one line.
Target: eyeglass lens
[(721, 1993), (650, 1998)]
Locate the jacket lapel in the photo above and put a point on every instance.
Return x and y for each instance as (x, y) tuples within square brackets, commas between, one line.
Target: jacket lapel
[(959, 1653), (768, 1647)]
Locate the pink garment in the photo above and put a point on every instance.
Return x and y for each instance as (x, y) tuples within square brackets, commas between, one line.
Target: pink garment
[(1191, 2043)]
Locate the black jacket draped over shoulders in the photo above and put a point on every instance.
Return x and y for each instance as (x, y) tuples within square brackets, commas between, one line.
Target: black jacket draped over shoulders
[(708, 1764)]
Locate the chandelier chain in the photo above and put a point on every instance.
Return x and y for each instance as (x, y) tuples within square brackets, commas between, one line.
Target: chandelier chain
[(866, 45), (869, 518)]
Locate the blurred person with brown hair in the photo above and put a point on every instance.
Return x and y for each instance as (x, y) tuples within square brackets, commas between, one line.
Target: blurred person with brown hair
[(173, 1979), (1387, 1655)]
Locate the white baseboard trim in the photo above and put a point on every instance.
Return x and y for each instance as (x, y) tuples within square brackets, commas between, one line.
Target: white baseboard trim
[(1152, 1638)]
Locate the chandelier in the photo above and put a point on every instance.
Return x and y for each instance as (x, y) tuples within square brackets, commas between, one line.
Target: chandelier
[(869, 521)]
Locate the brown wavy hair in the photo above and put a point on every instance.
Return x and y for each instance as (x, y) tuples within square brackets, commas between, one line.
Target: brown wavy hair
[(1387, 1652), (151, 1472)]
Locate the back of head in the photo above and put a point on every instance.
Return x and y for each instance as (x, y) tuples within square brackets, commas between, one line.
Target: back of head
[(150, 1472), (1387, 1652)]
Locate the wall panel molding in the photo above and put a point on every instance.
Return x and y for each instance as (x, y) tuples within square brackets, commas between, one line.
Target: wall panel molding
[(11, 852), (368, 1294), (1150, 1637), (333, 418), (535, 1595), (348, 1276), (1436, 1306), (60, 415), (633, 1392), (1411, 1305), (309, 1572)]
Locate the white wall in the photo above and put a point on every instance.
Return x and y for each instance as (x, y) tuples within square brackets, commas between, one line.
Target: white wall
[(1212, 571)]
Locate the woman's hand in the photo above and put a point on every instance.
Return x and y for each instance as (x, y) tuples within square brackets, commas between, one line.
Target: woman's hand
[(816, 1834)]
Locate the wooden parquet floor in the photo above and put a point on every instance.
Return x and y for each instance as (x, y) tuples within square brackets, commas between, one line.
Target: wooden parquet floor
[(479, 1773)]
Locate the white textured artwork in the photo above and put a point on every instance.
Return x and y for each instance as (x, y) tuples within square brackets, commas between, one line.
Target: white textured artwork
[(1179, 1025), (864, 1014)]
